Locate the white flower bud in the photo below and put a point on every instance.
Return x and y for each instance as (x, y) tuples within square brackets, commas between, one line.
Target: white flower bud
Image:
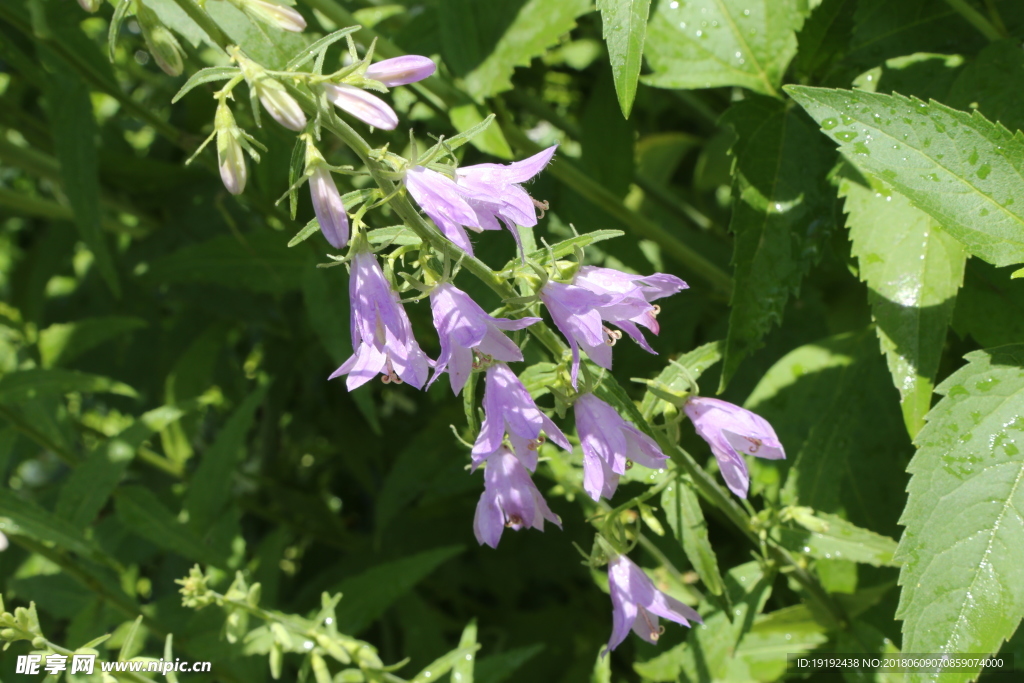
[(230, 156), (280, 104), (272, 13), (90, 5), (161, 42)]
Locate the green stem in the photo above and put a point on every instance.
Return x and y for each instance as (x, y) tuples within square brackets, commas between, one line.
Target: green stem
[(976, 19)]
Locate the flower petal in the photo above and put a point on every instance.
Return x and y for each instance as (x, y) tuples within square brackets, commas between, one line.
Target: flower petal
[(366, 107)]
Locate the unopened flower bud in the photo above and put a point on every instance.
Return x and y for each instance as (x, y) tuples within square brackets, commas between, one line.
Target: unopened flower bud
[(274, 14), (230, 157), (366, 107), (280, 104), (161, 42), (329, 209), (401, 70), (90, 5)]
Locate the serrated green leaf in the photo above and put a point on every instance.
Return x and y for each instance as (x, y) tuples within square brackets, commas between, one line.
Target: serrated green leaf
[(259, 262), (714, 43), (624, 27), (538, 26), (28, 519), (964, 171), (370, 593), (913, 270), (89, 487), (24, 385), (677, 379), (143, 513), (74, 131), (963, 548), (61, 343), (542, 257), (990, 83), (839, 539), (682, 508), (310, 229), (781, 219), (210, 74), (210, 487), (833, 406)]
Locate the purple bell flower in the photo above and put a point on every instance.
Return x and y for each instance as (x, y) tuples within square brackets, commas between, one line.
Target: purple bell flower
[(481, 197), (365, 106), (510, 499), (401, 70), (509, 409), (328, 207), (637, 604), (732, 431), (443, 200), (464, 327), (608, 441), (575, 312), (382, 337)]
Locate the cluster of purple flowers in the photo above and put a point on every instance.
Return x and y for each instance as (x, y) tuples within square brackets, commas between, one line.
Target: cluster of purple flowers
[(478, 197)]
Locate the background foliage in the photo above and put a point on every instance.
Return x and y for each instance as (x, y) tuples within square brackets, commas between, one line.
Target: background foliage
[(840, 182)]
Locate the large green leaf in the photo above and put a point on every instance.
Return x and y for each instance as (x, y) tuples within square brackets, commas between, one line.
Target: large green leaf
[(781, 218), (61, 343), (16, 387), (963, 548), (259, 262), (837, 539), (682, 508), (74, 130), (712, 43), (538, 26), (89, 487), (366, 596), (624, 26), (142, 512), (832, 404), (913, 270), (964, 171)]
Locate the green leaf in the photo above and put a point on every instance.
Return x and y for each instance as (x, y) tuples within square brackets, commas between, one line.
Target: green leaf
[(445, 663), (349, 200), (367, 595), (833, 406), (61, 343), (270, 46), (211, 483), (490, 139), (714, 43), (990, 84), (538, 26), (781, 219), (825, 36), (462, 672), (311, 51), (839, 539), (120, 12), (624, 27), (258, 261), (25, 518), (142, 512), (498, 668), (210, 74), (682, 508), (16, 387), (89, 487), (764, 650), (913, 270), (74, 130), (963, 548), (959, 168)]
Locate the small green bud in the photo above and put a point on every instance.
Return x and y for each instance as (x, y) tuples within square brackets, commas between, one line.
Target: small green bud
[(161, 42)]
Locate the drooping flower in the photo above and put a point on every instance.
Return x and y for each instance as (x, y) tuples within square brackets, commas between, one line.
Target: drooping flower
[(382, 336), (481, 197), (365, 106), (509, 409), (279, 104), (599, 295), (464, 327), (401, 70), (442, 200), (608, 441), (732, 431), (637, 604), (230, 153), (328, 207), (510, 499), (495, 192)]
